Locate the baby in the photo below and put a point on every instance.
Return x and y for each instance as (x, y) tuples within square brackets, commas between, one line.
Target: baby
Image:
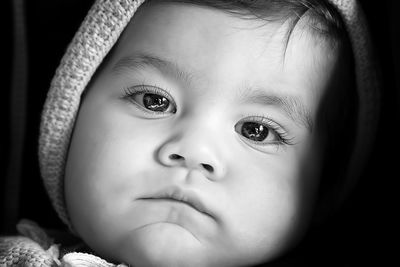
[(204, 136)]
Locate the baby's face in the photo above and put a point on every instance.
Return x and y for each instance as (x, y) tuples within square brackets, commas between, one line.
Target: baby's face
[(196, 143)]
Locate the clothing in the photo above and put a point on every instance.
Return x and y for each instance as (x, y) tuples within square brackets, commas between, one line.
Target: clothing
[(94, 39), (98, 33), (36, 248)]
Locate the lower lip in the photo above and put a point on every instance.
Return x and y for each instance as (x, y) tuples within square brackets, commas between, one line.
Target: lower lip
[(147, 211), (177, 205), (169, 201), (169, 210)]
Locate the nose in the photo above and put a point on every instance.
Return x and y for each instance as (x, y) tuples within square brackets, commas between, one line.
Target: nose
[(192, 154)]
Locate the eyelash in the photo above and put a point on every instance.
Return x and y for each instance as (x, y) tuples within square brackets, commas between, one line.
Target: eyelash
[(278, 130), (129, 92)]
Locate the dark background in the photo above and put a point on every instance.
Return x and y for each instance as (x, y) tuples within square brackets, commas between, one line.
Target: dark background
[(362, 232)]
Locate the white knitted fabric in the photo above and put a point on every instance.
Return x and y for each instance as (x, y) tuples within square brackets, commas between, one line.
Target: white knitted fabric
[(98, 33), (33, 247), (96, 36)]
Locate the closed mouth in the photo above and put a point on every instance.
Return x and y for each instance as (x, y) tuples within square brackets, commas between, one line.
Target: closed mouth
[(176, 194), (170, 200)]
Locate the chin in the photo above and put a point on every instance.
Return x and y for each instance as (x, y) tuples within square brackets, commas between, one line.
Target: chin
[(161, 245)]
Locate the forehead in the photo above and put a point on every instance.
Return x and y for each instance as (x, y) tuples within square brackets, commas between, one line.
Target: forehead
[(167, 27), (216, 48)]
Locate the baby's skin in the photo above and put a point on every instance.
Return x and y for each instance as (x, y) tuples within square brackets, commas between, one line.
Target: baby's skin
[(196, 143)]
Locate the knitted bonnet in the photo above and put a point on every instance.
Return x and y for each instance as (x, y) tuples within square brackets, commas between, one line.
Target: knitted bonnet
[(99, 32)]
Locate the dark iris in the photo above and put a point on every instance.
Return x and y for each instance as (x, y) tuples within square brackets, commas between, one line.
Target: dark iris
[(254, 131), (155, 102)]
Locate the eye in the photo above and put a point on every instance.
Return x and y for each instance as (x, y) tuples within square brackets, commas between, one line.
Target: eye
[(254, 131), (154, 102), (261, 131), (151, 99)]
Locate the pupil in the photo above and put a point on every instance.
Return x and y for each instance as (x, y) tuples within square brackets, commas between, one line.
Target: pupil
[(155, 102), (254, 131)]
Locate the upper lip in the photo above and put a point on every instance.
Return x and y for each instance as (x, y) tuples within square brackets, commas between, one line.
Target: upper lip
[(189, 197)]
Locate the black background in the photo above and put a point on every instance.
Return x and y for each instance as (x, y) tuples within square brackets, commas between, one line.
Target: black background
[(361, 233)]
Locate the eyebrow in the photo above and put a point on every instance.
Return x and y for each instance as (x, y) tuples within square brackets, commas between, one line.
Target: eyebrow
[(291, 105), (140, 61)]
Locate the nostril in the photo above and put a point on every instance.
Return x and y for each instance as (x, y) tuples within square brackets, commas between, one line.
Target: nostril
[(208, 167), (175, 157), (178, 158)]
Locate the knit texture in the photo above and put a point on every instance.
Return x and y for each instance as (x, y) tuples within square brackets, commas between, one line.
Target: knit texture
[(22, 251), (96, 36), (34, 248), (94, 39)]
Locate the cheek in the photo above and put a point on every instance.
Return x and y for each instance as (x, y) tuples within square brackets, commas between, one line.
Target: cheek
[(266, 200), (105, 158)]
